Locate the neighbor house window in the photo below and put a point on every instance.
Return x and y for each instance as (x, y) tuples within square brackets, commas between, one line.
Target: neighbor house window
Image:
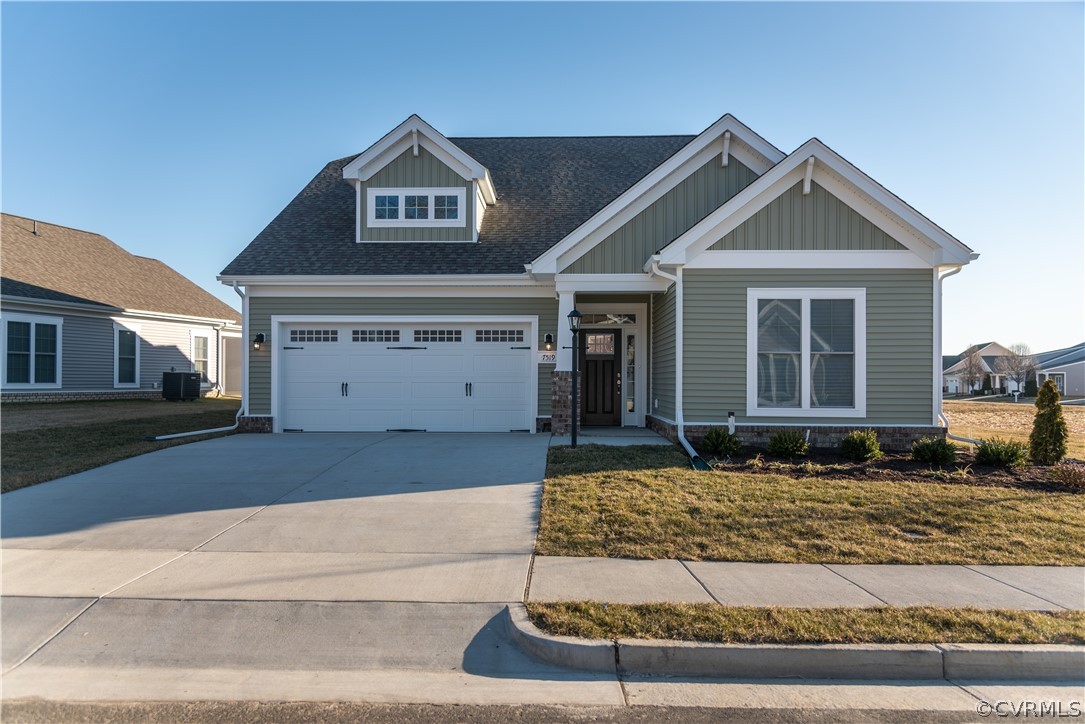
[(125, 356), (806, 352), (418, 207), (31, 351), (200, 358)]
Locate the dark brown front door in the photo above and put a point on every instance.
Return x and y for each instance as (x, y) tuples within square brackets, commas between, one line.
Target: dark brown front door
[(601, 368)]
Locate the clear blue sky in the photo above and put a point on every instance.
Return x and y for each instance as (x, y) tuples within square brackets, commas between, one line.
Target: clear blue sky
[(180, 130)]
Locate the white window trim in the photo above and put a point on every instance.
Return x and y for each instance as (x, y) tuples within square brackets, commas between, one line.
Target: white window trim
[(373, 222), (33, 319), (805, 294), (192, 356), (125, 327)]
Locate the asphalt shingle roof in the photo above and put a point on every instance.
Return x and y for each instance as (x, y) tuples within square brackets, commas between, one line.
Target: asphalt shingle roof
[(68, 265), (546, 187)]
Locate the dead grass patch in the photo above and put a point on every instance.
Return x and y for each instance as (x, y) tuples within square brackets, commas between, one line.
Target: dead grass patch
[(742, 625), (984, 420), (38, 454), (645, 502)]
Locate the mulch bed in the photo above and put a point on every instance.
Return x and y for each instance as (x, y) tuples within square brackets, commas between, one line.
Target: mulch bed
[(895, 467)]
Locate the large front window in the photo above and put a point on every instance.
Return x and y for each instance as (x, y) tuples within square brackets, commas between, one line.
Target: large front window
[(31, 351), (806, 352)]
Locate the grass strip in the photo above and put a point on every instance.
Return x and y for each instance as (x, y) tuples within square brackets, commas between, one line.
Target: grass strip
[(35, 456), (645, 502), (741, 625)]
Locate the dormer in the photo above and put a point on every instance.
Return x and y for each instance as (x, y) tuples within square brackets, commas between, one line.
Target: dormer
[(414, 185)]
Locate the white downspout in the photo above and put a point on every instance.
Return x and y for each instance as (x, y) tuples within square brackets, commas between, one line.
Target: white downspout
[(679, 415), (941, 415)]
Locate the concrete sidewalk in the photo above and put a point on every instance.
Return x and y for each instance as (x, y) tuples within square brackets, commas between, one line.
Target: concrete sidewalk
[(610, 580)]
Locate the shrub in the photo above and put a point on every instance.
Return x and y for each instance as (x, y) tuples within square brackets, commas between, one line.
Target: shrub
[(861, 445), (756, 462), (788, 444), (1047, 443), (1072, 475), (720, 442), (935, 451), (1002, 453), (1030, 388)]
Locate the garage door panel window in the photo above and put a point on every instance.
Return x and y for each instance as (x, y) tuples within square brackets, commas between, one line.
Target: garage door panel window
[(499, 335), (375, 335), (314, 335), (438, 335), (806, 352)]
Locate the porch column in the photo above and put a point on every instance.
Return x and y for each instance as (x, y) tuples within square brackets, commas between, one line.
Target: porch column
[(566, 303)]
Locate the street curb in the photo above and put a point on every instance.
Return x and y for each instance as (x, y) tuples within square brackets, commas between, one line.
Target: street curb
[(809, 661), (573, 653), (1043, 662)]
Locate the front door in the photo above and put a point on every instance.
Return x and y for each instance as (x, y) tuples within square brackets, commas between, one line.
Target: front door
[(600, 362)]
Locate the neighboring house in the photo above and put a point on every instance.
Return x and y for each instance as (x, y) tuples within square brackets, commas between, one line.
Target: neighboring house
[(84, 319), (989, 370), (1066, 367), (426, 284)]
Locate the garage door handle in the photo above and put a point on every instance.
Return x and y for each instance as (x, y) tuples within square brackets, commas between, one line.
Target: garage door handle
[(342, 389), (470, 389), (466, 389), (346, 389)]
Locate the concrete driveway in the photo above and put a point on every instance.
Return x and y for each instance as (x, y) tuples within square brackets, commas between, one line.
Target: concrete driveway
[(195, 571)]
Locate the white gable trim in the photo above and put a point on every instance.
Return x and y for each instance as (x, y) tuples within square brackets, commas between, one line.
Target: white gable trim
[(416, 131), (745, 145), (868, 198)]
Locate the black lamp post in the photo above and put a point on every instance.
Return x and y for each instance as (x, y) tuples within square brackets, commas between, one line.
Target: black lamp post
[(574, 327)]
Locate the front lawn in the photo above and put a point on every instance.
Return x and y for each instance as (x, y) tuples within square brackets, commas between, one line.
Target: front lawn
[(646, 502), (737, 625), (984, 420), (69, 443)]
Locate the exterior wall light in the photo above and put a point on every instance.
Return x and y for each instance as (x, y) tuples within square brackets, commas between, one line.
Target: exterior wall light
[(548, 341), (258, 341)]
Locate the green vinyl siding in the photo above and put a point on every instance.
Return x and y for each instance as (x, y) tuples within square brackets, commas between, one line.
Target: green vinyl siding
[(793, 222), (261, 310), (899, 317), (662, 355), (425, 171), (701, 193)]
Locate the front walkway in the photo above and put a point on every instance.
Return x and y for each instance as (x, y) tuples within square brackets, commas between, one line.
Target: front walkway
[(615, 436), (613, 580)]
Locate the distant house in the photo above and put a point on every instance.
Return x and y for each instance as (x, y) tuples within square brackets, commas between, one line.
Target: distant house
[(1066, 367), (84, 319)]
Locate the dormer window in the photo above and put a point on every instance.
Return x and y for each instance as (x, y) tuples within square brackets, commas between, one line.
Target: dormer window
[(416, 207)]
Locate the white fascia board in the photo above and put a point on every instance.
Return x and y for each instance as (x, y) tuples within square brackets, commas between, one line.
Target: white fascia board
[(610, 283), (660, 180), (401, 138), (433, 280), (403, 292), (842, 179)]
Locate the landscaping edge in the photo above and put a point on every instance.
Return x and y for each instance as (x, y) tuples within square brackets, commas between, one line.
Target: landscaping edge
[(1045, 662)]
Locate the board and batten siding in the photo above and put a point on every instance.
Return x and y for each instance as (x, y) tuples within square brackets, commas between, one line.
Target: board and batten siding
[(698, 195), (817, 221), (423, 171), (899, 315), (662, 357), (261, 310)]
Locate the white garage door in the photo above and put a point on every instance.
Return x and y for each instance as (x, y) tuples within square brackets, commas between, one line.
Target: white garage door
[(435, 376)]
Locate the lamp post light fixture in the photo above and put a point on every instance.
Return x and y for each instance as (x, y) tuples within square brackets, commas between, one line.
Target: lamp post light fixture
[(574, 327)]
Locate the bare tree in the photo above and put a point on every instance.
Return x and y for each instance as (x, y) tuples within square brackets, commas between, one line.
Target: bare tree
[(1019, 365), (972, 370)]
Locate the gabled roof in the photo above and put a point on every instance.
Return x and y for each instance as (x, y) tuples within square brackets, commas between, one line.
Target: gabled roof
[(412, 133), (731, 135), (546, 186), (951, 363), (885, 210), (64, 265)]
